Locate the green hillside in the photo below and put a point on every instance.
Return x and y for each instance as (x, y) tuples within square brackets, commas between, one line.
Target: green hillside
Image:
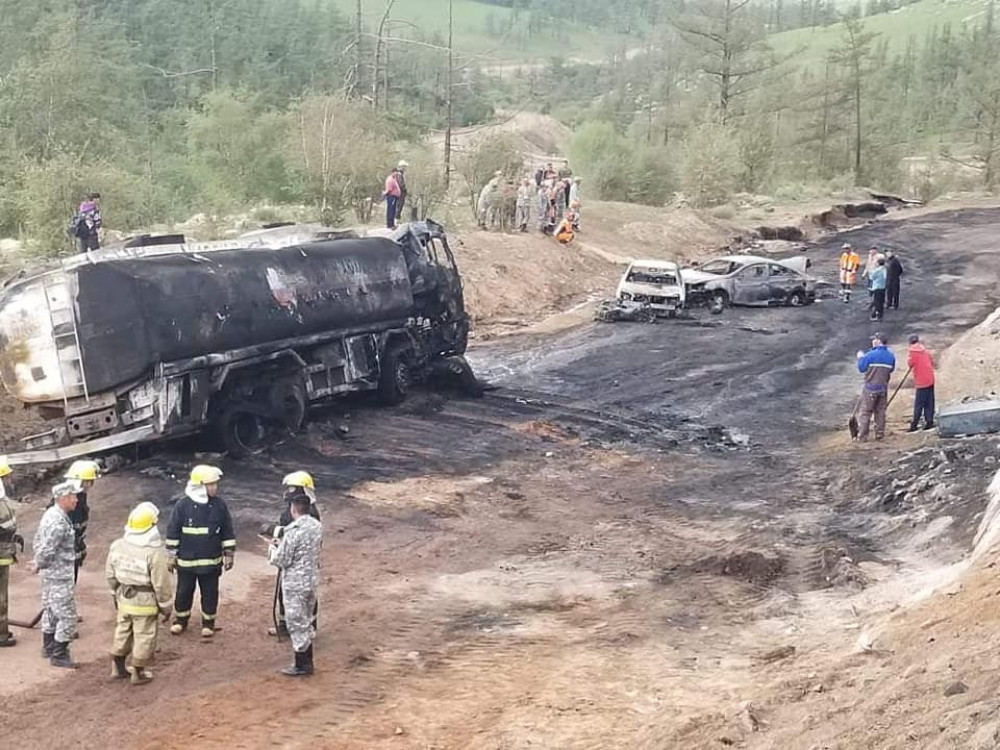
[(896, 27), (485, 30)]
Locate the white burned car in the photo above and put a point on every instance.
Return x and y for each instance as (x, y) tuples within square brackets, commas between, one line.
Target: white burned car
[(656, 283)]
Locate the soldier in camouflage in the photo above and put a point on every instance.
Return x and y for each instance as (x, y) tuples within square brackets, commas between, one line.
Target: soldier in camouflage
[(297, 556), (55, 557), (9, 542)]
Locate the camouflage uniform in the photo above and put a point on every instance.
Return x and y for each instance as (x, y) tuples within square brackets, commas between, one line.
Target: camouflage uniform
[(297, 555), (55, 556)]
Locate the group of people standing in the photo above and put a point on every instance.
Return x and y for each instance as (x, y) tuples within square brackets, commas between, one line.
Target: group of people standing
[(552, 197), (882, 271), (394, 194), (152, 578), (877, 366)]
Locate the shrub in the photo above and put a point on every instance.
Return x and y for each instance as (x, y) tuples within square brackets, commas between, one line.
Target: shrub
[(604, 158), (484, 158), (711, 165)]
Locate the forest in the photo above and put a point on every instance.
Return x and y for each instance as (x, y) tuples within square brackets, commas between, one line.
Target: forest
[(223, 106)]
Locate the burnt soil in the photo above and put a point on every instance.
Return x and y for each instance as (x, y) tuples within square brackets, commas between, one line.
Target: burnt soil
[(594, 554)]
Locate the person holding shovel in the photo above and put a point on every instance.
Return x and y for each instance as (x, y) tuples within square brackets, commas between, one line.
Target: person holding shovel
[(922, 364), (877, 365)]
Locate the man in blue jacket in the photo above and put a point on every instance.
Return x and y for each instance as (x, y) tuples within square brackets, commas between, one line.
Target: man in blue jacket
[(877, 365)]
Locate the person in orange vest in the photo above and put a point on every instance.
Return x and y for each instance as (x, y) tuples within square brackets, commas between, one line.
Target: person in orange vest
[(850, 261), (564, 232)]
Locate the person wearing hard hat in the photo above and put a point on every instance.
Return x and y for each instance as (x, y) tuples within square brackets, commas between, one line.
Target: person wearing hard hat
[(83, 474), (201, 544), (138, 572), (294, 484), (296, 555), (9, 542), (54, 558)]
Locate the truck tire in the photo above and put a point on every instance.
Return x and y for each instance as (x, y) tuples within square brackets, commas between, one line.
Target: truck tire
[(395, 376), (289, 403), (242, 432)]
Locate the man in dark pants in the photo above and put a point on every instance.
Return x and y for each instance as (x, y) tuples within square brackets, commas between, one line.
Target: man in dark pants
[(877, 280), (922, 364), (202, 544), (893, 270), (83, 474)]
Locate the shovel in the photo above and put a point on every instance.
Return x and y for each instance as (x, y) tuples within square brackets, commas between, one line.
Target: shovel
[(852, 423)]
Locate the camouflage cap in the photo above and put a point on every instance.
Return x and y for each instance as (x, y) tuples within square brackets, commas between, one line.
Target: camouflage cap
[(65, 488)]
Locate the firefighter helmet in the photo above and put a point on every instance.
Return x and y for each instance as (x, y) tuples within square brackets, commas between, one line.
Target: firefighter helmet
[(82, 471), (5, 470), (204, 474), (142, 518), (299, 479)]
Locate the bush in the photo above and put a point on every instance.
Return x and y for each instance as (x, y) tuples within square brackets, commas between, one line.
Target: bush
[(652, 176), (424, 184), (711, 165), (484, 158), (603, 158)]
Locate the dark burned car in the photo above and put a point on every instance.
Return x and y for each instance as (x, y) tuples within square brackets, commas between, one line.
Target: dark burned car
[(749, 280)]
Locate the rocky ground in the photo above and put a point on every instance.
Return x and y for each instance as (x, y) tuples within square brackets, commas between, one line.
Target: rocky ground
[(647, 536)]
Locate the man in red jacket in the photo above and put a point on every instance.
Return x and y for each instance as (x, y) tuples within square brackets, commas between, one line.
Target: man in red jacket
[(922, 364)]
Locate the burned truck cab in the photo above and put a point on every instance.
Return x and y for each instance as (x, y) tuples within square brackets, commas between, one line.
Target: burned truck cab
[(146, 342)]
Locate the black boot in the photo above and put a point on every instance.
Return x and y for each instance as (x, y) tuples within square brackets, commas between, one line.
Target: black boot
[(8, 640), (309, 660), (60, 656), (48, 643), (118, 669), (298, 669)]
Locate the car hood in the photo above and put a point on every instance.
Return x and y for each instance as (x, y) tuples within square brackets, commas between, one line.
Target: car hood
[(696, 277)]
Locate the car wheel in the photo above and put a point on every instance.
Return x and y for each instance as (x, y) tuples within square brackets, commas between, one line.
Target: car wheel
[(796, 298), (717, 302)]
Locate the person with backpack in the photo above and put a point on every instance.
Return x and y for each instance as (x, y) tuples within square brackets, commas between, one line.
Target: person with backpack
[(87, 223)]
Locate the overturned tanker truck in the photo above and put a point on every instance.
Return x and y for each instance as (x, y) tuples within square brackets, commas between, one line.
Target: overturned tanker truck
[(134, 344)]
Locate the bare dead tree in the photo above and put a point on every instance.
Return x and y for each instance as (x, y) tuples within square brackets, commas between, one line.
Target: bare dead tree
[(380, 75), (448, 95)]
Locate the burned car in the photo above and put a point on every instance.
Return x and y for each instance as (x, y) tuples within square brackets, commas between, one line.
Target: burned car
[(749, 280), (656, 283)]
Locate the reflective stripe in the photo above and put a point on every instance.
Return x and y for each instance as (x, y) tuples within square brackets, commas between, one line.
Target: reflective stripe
[(207, 617), (199, 563), (6, 560), (197, 530), (183, 614), (173, 542), (138, 609), (229, 543)]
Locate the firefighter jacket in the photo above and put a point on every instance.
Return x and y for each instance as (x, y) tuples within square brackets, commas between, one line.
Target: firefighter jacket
[(53, 544), (200, 531), (8, 529), (138, 575), (79, 517)]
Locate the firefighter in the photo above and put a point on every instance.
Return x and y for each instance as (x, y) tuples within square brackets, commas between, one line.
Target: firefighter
[(83, 474), (297, 556), (850, 261), (10, 540), (296, 483), (137, 572), (202, 544)]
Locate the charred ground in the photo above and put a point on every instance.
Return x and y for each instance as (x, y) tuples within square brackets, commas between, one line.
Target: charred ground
[(617, 547)]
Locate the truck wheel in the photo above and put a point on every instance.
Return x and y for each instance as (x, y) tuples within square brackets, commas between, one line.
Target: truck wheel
[(717, 302), (289, 403), (395, 377), (242, 433)]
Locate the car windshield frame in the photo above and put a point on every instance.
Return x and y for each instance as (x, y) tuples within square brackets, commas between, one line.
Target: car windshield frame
[(647, 275), (729, 267)]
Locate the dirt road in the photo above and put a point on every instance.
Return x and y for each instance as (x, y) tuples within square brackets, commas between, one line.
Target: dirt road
[(641, 530)]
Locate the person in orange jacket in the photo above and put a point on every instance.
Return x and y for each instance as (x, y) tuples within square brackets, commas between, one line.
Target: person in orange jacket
[(922, 364), (850, 261), (564, 232)]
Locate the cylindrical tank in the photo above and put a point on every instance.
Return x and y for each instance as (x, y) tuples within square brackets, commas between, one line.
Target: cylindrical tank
[(132, 313)]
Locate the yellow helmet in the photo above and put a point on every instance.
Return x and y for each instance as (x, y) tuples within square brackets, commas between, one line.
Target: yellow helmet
[(142, 518), (299, 479), (203, 474), (5, 470), (82, 471)]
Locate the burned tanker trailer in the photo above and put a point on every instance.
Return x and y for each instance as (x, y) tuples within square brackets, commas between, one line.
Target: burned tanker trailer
[(134, 344)]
